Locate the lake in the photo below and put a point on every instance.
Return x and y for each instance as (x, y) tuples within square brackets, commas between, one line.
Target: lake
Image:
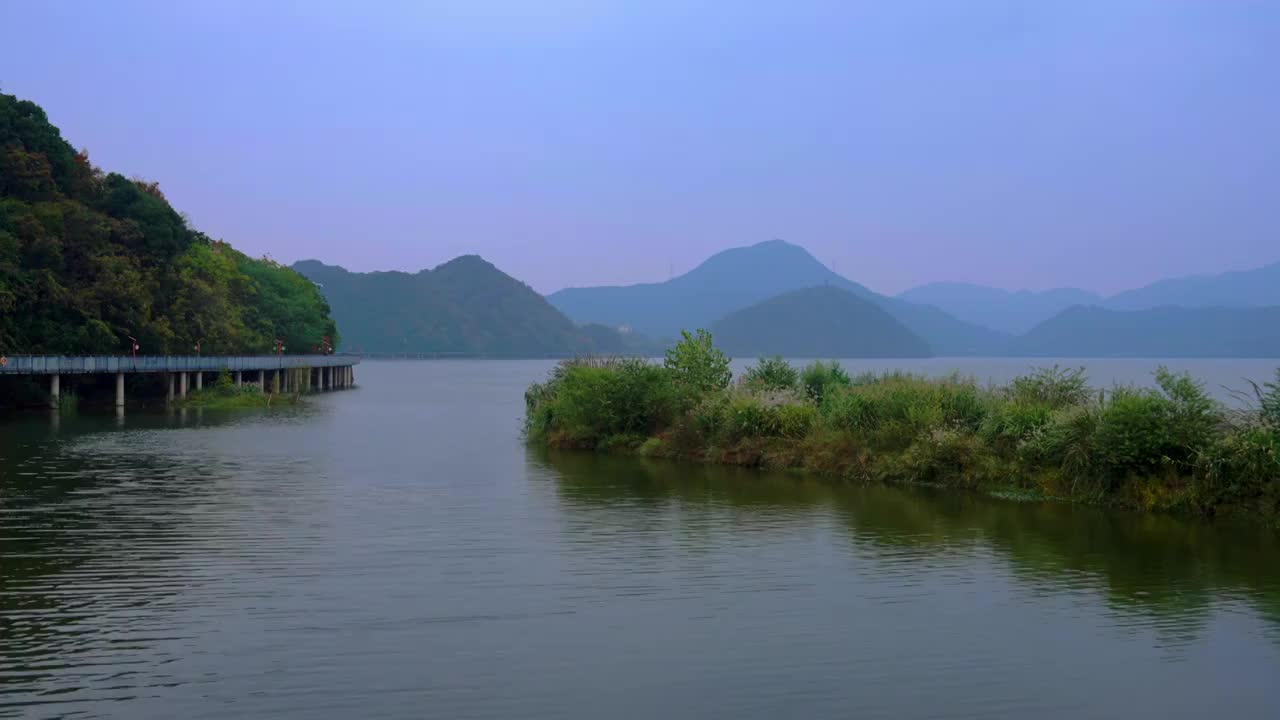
[(395, 551)]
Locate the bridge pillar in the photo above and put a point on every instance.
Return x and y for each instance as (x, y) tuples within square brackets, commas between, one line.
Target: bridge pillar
[(239, 380), (275, 382), (55, 391), (119, 389), (199, 381), (262, 380), (182, 384), (168, 395)]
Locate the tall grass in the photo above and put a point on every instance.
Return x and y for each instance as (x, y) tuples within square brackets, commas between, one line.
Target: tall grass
[(1047, 433)]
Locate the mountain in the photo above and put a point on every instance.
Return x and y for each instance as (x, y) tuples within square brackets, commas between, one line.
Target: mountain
[(89, 260), (463, 306), (740, 277), (1017, 312), (819, 322), (1164, 332), (1244, 288), (1003, 310)]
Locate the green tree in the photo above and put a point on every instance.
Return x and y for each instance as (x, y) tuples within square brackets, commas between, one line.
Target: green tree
[(697, 365)]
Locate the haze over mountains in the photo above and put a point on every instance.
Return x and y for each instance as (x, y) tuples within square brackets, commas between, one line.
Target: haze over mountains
[(1003, 310), (817, 322), (1162, 332), (775, 298), (465, 306), (738, 277), (1018, 312)]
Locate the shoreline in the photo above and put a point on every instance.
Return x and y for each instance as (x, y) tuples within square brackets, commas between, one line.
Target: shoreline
[(1047, 435)]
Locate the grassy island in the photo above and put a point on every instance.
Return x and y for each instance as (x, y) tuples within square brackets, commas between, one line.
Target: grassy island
[(1045, 435)]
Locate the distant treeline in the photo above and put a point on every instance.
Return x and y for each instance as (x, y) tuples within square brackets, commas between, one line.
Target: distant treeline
[(88, 260)]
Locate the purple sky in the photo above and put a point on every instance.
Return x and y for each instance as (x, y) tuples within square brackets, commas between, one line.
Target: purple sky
[(1094, 143)]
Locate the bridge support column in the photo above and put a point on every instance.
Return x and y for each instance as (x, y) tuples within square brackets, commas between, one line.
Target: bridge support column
[(55, 390), (119, 390), (351, 375), (199, 380), (262, 380), (182, 384), (239, 379), (275, 383), (168, 395)]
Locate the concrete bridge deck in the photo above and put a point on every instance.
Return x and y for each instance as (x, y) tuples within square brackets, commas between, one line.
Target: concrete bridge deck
[(287, 372)]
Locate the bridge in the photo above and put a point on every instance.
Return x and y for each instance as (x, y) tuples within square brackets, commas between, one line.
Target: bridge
[(274, 373)]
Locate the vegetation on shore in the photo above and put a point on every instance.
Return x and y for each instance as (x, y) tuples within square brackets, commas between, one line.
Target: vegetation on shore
[(224, 394), (89, 260), (1047, 434)]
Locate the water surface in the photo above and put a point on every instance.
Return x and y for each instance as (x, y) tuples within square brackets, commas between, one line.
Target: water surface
[(394, 551)]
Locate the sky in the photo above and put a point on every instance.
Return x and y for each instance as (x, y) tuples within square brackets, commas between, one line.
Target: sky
[(1099, 144)]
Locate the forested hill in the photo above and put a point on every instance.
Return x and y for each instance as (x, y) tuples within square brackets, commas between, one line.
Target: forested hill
[(819, 322), (464, 306), (88, 259)]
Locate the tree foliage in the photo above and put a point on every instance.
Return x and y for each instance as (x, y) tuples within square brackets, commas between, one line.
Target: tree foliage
[(89, 259), (697, 365)]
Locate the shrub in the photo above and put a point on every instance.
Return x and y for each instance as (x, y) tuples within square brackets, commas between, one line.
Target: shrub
[(795, 421), (748, 417), (1241, 469), (1066, 443), (697, 366), (1193, 415), (771, 374), (1008, 423), (849, 411), (1269, 401), (944, 456), (589, 401), (820, 377), (1054, 387), (902, 406)]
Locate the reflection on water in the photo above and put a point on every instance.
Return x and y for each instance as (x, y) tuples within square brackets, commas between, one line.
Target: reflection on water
[(1164, 571), (395, 551)]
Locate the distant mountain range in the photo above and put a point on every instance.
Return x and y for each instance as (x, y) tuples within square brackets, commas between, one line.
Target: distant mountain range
[(819, 322), (1162, 332), (1018, 312), (739, 277), (776, 298), (1243, 288), (1003, 310), (463, 306)]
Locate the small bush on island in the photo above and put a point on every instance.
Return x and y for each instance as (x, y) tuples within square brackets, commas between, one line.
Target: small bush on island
[(771, 374), (1046, 434)]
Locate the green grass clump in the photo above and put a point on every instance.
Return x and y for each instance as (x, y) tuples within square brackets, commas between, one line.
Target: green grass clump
[(1047, 434), (771, 374), (223, 394), (820, 378)]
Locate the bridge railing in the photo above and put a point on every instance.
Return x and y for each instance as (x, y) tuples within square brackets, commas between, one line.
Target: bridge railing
[(85, 364)]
